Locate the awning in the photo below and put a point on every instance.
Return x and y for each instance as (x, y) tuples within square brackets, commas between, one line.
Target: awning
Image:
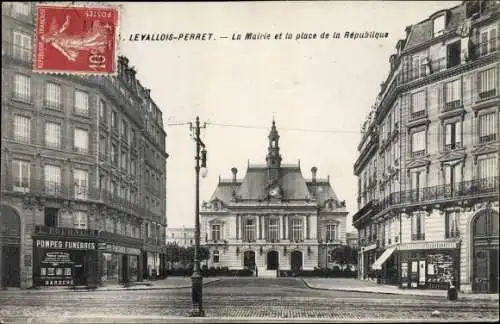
[(377, 265)]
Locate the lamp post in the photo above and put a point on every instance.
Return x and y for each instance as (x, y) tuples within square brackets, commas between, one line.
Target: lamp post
[(196, 278)]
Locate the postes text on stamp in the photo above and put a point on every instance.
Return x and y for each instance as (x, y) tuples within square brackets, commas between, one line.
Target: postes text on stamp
[(75, 39)]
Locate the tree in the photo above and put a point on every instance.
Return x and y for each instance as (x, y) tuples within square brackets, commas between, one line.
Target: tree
[(345, 254)]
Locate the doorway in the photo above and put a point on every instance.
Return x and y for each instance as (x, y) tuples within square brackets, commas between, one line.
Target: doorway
[(272, 260), (296, 261), (249, 260), (485, 263), (10, 243)]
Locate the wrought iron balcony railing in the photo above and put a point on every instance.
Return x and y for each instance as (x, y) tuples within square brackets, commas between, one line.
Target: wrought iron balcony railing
[(65, 191), (418, 236), (458, 190)]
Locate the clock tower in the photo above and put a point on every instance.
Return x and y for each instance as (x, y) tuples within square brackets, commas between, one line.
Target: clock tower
[(273, 157)]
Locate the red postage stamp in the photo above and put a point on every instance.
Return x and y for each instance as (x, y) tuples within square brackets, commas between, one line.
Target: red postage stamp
[(75, 39)]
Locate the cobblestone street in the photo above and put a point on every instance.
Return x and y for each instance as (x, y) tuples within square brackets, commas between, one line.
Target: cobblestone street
[(234, 298)]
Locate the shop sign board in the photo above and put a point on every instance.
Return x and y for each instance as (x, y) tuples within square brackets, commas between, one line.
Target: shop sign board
[(60, 262)]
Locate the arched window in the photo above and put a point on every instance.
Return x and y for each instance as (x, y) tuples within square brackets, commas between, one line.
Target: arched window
[(215, 256)]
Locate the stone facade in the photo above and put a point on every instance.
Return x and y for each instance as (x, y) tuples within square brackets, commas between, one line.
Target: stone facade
[(273, 218), (83, 153), (428, 164)]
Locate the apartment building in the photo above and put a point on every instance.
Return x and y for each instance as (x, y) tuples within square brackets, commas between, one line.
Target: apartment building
[(428, 157), (183, 236), (83, 170)]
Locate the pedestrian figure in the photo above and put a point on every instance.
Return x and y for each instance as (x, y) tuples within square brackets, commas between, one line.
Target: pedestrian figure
[(256, 271)]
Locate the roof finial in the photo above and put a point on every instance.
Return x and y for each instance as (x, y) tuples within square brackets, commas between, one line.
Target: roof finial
[(274, 115)]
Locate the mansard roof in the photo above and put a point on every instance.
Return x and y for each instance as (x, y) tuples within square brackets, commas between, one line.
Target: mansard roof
[(254, 186)]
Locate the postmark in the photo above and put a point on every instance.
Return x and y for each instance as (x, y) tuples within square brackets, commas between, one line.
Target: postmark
[(75, 39)]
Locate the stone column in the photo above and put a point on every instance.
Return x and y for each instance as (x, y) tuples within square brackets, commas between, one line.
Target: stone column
[(282, 226), (304, 222), (307, 227), (259, 225), (238, 226)]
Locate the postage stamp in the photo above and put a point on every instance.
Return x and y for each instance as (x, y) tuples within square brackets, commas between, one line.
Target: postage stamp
[(75, 39)]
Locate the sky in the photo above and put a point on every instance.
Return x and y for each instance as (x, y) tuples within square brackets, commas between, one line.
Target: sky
[(318, 90)]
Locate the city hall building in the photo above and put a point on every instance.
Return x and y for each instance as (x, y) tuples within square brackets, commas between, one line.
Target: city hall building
[(83, 160), (428, 183), (273, 218)]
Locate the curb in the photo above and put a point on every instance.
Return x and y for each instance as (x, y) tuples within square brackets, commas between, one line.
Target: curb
[(388, 293), (117, 289)]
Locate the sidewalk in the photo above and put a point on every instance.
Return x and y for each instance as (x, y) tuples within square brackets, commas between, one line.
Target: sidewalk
[(169, 283), (345, 284)]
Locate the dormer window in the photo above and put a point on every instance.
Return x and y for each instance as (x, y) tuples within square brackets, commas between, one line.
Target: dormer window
[(439, 25)]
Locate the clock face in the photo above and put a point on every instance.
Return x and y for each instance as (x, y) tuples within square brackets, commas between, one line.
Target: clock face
[(274, 191)]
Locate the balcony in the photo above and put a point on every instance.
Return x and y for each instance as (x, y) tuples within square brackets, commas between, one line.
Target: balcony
[(452, 234), (48, 189), (418, 114), (417, 154), (453, 146), (418, 237), (452, 105), (487, 138), (463, 190), (87, 233), (483, 95)]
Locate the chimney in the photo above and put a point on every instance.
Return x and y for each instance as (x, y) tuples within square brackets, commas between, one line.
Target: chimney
[(234, 171), (408, 30), (313, 171)]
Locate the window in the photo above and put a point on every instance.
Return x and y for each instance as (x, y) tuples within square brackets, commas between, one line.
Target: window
[(81, 140), (52, 176), (21, 8), (132, 167), (80, 219), (439, 25), (488, 172), (80, 181), (124, 130), (273, 230), (453, 54), (102, 148), (331, 232), (22, 47), (417, 226), (452, 223), (22, 129), (114, 155), (53, 95), (215, 256), (488, 41), (52, 135), (487, 84), (453, 136), (418, 105), (418, 144), (113, 120), (419, 63), (22, 87), (81, 102), (452, 95), (418, 183), (452, 179), (297, 230), (216, 232), (21, 175), (249, 230), (124, 160), (110, 225), (112, 188), (102, 110), (487, 128)]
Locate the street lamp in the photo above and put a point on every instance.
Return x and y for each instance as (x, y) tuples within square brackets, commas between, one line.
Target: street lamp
[(196, 278)]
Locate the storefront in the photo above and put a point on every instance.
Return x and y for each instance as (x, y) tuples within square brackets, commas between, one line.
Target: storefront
[(429, 268), (119, 263), (64, 261)]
